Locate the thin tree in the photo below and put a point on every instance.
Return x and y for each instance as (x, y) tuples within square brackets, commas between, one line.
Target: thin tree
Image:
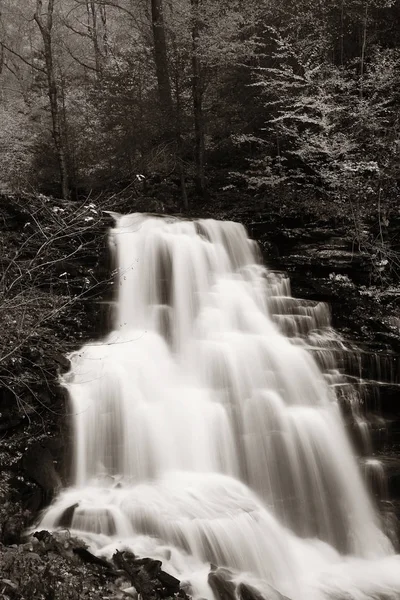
[(198, 91), (45, 24), (93, 30), (172, 121), (363, 49), (161, 59)]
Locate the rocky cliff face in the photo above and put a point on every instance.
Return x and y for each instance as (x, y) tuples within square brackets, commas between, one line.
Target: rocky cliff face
[(324, 264), (55, 286)]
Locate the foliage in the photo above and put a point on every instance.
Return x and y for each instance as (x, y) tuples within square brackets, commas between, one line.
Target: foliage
[(17, 140), (298, 102), (42, 284)]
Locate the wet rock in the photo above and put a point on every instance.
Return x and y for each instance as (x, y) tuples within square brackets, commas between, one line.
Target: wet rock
[(147, 578), (391, 465), (248, 592), (88, 557), (390, 511), (60, 359), (130, 592), (65, 519), (221, 584), (43, 536), (152, 567), (138, 575), (171, 583), (38, 464)]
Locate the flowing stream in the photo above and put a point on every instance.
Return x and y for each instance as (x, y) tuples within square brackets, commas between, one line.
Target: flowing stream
[(207, 426)]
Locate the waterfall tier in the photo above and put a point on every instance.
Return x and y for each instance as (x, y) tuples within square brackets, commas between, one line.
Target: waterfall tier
[(207, 425)]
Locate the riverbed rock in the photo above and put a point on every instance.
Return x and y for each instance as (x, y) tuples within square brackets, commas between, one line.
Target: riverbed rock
[(65, 519), (220, 581), (45, 567), (147, 577), (130, 592), (38, 464), (247, 592)]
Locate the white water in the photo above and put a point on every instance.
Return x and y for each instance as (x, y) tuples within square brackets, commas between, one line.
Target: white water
[(204, 434)]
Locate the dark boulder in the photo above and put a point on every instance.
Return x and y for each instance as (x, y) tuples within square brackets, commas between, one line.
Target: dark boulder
[(147, 578), (65, 520), (38, 464), (220, 581), (88, 557), (14, 527), (248, 592), (170, 583), (61, 360)]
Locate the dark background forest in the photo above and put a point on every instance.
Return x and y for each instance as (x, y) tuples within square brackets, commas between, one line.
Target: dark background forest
[(294, 102)]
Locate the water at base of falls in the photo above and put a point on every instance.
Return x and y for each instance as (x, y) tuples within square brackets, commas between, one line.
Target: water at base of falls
[(207, 427)]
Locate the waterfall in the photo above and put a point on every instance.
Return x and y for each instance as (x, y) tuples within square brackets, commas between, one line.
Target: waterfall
[(207, 426)]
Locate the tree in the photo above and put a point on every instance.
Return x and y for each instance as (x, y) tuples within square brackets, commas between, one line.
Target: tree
[(321, 138), (198, 90), (93, 32), (45, 24), (161, 61), (17, 142)]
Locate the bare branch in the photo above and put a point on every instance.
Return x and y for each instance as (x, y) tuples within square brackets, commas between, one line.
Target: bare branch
[(24, 60), (78, 60), (38, 14), (50, 10), (138, 22), (69, 26)]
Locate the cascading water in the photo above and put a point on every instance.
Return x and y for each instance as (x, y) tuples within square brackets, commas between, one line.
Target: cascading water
[(205, 434)]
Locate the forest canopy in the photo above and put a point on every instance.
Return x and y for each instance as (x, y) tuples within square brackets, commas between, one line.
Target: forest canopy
[(292, 100)]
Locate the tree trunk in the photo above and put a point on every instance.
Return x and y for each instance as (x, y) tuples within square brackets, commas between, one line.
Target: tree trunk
[(363, 49), (161, 60), (103, 17), (45, 26), (1, 58), (171, 125), (342, 34), (94, 35), (179, 142), (197, 91)]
